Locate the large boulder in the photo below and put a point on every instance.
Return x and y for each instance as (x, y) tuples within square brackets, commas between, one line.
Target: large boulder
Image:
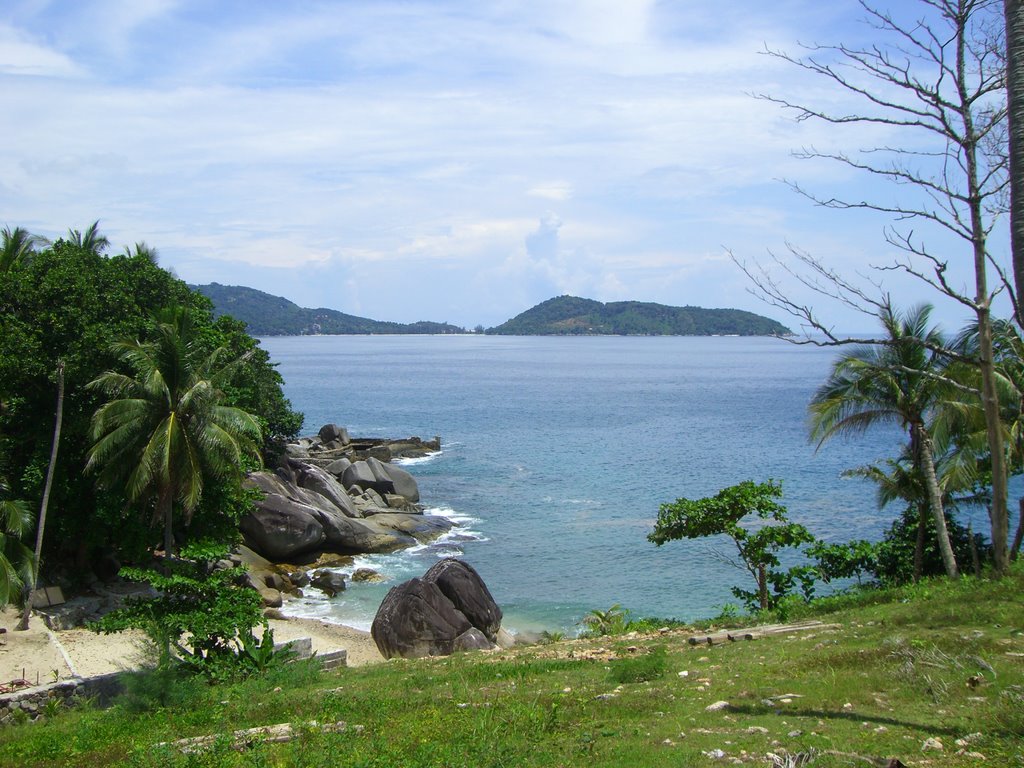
[(331, 432), (320, 481), (417, 620), (405, 484), (280, 528), (381, 479), (350, 536), (358, 474), (461, 584), (423, 528)]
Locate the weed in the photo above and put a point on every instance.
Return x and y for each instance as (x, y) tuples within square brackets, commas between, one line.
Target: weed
[(640, 668)]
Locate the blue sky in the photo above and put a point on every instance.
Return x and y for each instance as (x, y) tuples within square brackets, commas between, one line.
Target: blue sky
[(450, 161)]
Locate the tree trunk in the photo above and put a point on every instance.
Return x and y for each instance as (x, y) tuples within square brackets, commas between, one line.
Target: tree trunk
[(30, 588), (1015, 549), (922, 532), (935, 501), (998, 514), (1014, 12), (762, 587)]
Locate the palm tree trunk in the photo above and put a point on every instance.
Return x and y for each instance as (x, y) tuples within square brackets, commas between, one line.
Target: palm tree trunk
[(1014, 13), (30, 588), (922, 532), (931, 482), (165, 506)]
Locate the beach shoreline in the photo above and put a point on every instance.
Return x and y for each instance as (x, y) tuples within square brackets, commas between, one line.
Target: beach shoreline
[(40, 656)]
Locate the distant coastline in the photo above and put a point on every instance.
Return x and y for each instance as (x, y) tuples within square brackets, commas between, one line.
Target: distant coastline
[(268, 315)]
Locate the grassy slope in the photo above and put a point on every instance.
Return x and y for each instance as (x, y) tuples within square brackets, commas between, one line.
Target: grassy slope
[(895, 675)]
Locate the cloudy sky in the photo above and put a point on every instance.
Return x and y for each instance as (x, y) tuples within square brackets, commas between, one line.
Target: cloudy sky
[(450, 161)]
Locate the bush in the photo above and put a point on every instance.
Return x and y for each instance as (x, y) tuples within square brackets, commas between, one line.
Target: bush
[(201, 618)]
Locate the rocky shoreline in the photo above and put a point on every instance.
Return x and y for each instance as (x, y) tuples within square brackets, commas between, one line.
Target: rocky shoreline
[(332, 497)]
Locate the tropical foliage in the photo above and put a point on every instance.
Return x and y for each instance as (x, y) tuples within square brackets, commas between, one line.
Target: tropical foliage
[(164, 430), (67, 301), (758, 546), (898, 383)]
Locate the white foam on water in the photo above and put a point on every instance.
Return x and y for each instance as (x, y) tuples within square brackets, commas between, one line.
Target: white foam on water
[(407, 461)]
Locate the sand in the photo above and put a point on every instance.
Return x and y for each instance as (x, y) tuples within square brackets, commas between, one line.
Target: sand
[(41, 656)]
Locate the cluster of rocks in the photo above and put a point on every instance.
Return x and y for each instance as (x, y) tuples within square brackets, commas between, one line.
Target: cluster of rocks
[(330, 495), (449, 609)]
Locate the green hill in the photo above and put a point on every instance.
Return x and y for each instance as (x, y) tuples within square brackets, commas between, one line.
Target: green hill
[(572, 316), (268, 315)]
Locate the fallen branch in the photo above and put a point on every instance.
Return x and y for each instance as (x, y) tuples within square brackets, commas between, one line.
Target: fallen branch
[(265, 734)]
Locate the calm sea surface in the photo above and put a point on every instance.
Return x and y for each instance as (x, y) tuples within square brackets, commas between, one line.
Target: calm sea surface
[(558, 451)]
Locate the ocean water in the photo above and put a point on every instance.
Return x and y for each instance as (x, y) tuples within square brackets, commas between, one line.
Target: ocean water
[(556, 453)]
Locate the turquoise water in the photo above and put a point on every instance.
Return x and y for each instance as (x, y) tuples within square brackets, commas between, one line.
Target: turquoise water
[(558, 451)]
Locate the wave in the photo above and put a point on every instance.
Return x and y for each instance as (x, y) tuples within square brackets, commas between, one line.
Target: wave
[(408, 461)]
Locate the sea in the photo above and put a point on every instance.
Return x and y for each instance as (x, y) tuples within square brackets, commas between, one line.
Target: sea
[(557, 452)]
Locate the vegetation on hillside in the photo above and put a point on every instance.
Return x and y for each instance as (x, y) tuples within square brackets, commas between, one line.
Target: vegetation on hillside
[(267, 315), (572, 316)]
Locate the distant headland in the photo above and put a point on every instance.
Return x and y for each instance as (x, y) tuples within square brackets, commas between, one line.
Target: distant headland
[(267, 315)]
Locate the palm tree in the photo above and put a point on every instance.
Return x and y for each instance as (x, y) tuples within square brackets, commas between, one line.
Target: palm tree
[(894, 383), (16, 245), (92, 240), (164, 430), (15, 557)]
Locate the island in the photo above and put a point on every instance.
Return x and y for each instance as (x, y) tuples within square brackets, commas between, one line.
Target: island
[(573, 316)]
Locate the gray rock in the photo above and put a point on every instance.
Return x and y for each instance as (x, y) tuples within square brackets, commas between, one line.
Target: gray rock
[(338, 467), (382, 482), (405, 484), (279, 528), (329, 582), (332, 432), (320, 481), (366, 575), (462, 585), (358, 474), (472, 640), (347, 535), (416, 620), (423, 528), (299, 578)]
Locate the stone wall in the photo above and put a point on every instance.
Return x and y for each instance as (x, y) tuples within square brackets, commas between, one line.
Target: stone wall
[(32, 703)]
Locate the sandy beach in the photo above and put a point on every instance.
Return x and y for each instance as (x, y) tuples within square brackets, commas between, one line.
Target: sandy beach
[(39, 655)]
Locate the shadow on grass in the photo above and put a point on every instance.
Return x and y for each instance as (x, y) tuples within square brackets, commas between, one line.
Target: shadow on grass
[(856, 717)]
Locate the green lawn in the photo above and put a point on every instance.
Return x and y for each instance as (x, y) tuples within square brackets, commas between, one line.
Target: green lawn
[(935, 661)]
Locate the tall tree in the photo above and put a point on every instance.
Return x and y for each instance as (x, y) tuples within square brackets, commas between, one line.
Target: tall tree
[(91, 240), (937, 77), (16, 245), (164, 430), (895, 383), (15, 557), (1013, 11)]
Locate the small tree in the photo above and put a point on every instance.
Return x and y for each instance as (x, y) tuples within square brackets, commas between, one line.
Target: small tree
[(758, 548)]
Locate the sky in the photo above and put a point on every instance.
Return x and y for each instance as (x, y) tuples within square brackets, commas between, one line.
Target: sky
[(449, 161)]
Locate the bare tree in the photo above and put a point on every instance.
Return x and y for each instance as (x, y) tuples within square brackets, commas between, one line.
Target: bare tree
[(938, 80)]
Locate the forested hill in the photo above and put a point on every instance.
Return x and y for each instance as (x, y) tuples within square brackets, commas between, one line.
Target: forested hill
[(572, 316), (267, 315)]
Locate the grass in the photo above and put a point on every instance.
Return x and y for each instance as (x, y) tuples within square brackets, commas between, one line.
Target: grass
[(937, 660)]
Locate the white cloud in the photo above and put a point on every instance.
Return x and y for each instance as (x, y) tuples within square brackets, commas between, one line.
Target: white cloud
[(22, 56)]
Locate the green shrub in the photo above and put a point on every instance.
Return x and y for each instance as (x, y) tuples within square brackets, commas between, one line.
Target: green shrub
[(640, 668)]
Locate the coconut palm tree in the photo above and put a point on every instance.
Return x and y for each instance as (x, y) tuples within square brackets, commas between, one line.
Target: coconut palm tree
[(16, 245), (898, 382), (15, 557), (91, 240), (164, 430)]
